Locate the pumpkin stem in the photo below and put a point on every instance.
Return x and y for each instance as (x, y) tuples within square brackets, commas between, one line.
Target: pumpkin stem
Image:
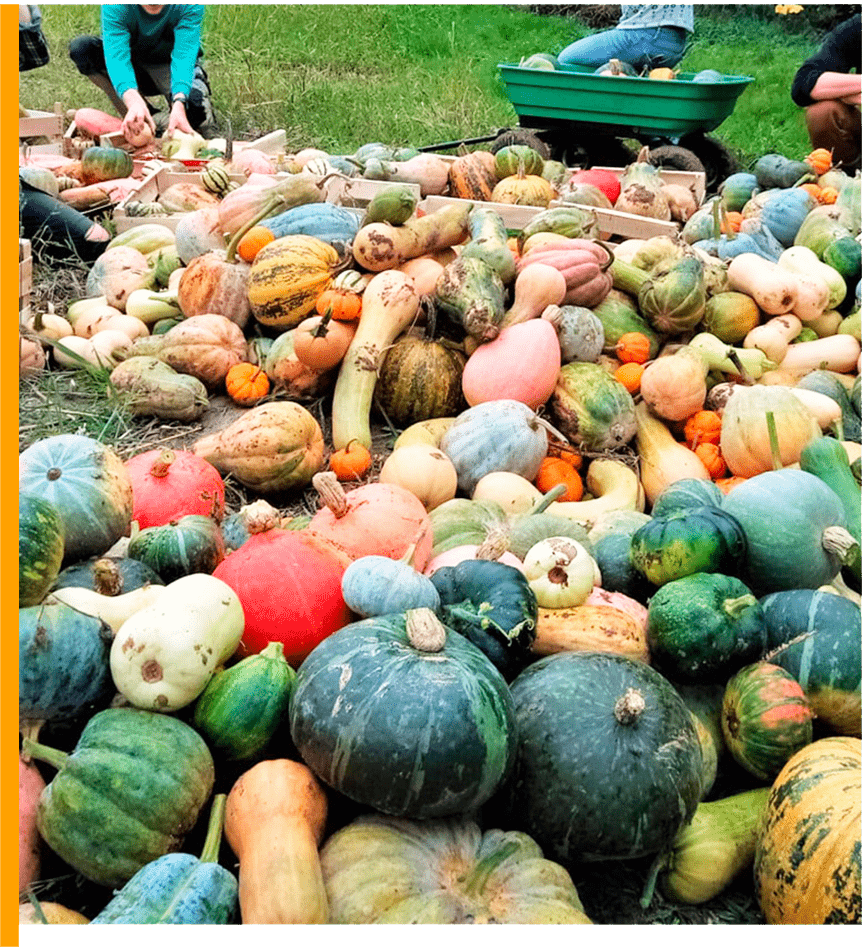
[(837, 540), (774, 442), (29, 729), (715, 215), (610, 256), (259, 516), (543, 503), (735, 606), (106, 577), (321, 329), (629, 707), (657, 865), (733, 357), (331, 493), (494, 544), (539, 420), (159, 469), (44, 753), (231, 251), (771, 655), (425, 631), (482, 871), (210, 851)]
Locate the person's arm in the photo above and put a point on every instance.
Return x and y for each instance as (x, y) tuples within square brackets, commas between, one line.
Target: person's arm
[(118, 61), (843, 86), (187, 43), (839, 54)]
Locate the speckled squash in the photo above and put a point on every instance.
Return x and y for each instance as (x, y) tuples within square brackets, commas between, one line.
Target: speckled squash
[(807, 865), (40, 548), (380, 870)]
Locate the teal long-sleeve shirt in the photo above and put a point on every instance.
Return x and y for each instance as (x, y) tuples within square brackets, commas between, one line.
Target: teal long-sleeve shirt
[(172, 35)]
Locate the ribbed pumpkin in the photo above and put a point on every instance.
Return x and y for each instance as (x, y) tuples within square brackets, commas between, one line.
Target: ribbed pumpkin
[(100, 163), (807, 866), (420, 378), (286, 278), (193, 544), (521, 189), (404, 695), (513, 159), (473, 176)]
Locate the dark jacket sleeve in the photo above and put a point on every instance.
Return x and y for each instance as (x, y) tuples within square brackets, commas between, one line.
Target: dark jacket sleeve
[(839, 53)]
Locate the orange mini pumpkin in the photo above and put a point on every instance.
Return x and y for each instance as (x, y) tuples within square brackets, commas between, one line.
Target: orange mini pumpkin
[(246, 383), (820, 160), (702, 426), (556, 471), (344, 305), (828, 196), (731, 222), (352, 462), (811, 188), (633, 347), (630, 376), (252, 242)]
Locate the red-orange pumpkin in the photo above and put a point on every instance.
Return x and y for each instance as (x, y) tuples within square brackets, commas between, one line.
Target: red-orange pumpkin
[(168, 484)]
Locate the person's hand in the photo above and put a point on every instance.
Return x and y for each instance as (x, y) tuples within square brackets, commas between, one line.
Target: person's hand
[(137, 114), (178, 119)]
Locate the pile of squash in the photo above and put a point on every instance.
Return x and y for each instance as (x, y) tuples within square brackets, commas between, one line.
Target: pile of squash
[(613, 553)]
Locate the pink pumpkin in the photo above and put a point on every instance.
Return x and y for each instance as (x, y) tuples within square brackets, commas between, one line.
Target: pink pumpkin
[(30, 786), (521, 363)]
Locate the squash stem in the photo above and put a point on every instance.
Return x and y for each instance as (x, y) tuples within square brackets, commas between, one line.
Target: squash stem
[(476, 880), (651, 881), (44, 753), (37, 907), (210, 851), (543, 503), (266, 211), (774, 442)]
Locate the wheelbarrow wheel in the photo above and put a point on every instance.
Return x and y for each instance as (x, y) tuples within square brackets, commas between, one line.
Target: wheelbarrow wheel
[(675, 158), (603, 150), (718, 160), (520, 137)]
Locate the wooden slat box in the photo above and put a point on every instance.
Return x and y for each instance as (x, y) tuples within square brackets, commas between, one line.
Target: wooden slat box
[(358, 192), (25, 279), (49, 124)]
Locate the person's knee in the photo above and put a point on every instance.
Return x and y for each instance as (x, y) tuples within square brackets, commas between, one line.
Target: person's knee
[(835, 125), (88, 55)]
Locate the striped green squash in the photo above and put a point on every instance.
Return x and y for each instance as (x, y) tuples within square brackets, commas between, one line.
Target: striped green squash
[(192, 544), (766, 718), (128, 793), (40, 548), (405, 716)]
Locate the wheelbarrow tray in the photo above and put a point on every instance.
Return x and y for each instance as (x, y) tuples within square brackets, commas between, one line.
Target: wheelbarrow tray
[(630, 106)]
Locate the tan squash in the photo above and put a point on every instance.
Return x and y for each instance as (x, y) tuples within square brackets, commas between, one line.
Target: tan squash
[(673, 386), (274, 822), (424, 470), (774, 289), (662, 459), (590, 627)]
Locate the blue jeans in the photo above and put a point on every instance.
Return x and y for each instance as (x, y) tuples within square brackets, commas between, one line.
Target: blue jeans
[(656, 46)]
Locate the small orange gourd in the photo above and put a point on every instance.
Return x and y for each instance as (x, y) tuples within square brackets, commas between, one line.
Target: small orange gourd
[(321, 341), (731, 222), (630, 376), (811, 188), (246, 383), (702, 426), (712, 458), (352, 462), (252, 242), (274, 822), (344, 305), (820, 160), (633, 347), (556, 471), (828, 196)]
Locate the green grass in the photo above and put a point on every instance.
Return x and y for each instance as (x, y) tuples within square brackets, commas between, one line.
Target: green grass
[(338, 76)]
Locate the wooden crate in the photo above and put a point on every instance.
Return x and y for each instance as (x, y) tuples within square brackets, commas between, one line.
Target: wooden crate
[(516, 217), (358, 192), (150, 189), (25, 279), (273, 143), (49, 124)]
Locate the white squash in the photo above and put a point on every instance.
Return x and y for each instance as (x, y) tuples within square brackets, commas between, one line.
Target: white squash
[(561, 572), (114, 611), (164, 655)]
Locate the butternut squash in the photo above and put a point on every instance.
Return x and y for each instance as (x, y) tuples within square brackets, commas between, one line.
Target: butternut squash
[(774, 289), (390, 303), (380, 246), (662, 459), (613, 485), (274, 822), (774, 336)]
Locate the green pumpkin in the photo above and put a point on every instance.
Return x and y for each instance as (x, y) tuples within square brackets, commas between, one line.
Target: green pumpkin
[(40, 548), (88, 485), (686, 493), (107, 575), (192, 544), (777, 171), (589, 782), (516, 159), (470, 291), (592, 408), (373, 585), (62, 662), (688, 541), (737, 190), (404, 697), (766, 718), (179, 888), (244, 705), (573, 222), (816, 636), (104, 163), (704, 627), (128, 793), (492, 605), (674, 302), (618, 314)]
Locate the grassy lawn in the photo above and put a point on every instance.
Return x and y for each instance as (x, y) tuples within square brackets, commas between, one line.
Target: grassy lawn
[(432, 77)]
